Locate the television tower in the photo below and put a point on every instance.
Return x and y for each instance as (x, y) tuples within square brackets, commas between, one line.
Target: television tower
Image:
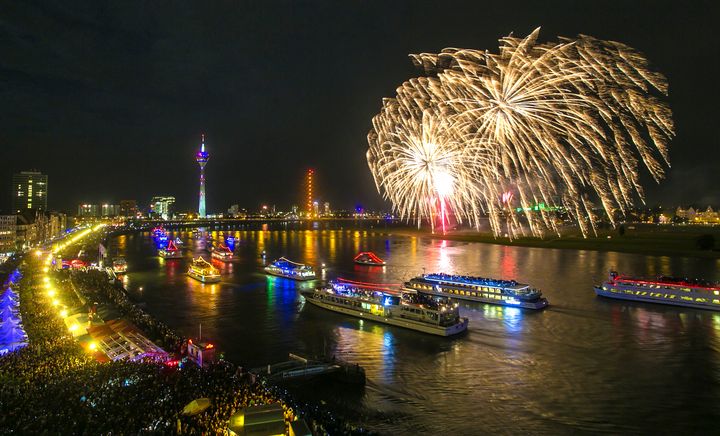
[(202, 157)]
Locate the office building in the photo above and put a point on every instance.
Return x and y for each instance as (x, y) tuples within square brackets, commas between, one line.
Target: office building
[(29, 191)]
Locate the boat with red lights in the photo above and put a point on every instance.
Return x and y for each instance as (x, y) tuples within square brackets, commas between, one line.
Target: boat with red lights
[(393, 306), (119, 265), (203, 271), (170, 252), (368, 258), (480, 289), (290, 270), (222, 253), (675, 291)]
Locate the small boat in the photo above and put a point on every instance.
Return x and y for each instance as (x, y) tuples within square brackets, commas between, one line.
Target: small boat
[(203, 271), (178, 242), (222, 253), (290, 270), (170, 252), (700, 294), (119, 265), (401, 308), (368, 258)]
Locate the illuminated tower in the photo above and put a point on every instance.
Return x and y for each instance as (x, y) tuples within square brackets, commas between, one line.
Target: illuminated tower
[(309, 192), (202, 157)]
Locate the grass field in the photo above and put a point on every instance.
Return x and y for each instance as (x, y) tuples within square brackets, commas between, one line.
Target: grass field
[(660, 240)]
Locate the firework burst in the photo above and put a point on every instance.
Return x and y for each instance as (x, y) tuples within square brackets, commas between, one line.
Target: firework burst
[(564, 123)]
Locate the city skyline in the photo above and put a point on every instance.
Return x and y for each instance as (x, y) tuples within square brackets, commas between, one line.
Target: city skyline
[(275, 104)]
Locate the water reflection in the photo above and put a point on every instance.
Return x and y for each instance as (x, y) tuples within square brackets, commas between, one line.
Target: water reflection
[(548, 372)]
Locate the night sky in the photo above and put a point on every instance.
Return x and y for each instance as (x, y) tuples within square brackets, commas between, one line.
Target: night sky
[(110, 98)]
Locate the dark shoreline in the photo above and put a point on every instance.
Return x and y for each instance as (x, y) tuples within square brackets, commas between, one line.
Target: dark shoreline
[(651, 241)]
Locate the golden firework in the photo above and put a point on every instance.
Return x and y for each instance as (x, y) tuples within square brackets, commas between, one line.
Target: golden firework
[(564, 123)]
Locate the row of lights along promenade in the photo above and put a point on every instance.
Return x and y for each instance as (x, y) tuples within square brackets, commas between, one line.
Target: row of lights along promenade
[(63, 380)]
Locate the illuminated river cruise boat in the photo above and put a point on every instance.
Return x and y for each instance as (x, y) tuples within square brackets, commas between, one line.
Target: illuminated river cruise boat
[(222, 253), (119, 265), (491, 291), (203, 271), (290, 270), (375, 302), (695, 293), (170, 252), (368, 258)]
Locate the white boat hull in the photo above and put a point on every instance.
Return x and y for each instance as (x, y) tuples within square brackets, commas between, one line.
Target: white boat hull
[(291, 277), (204, 279), (395, 321)]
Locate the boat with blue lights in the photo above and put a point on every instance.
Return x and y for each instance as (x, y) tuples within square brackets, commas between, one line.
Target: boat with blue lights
[(222, 253), (290, 270), (203, 271), (379, 303), (696, 293), (170, 252), (480, 289), (368, 258)]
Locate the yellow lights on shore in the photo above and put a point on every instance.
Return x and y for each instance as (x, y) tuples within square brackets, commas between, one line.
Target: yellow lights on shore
[(38, 253), (46, 269), (55, 302), (73, 327), (51, 293), (92, 346), (64, 313)]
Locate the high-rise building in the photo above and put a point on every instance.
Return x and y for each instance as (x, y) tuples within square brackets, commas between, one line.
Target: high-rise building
[(202, 158), (316, 208), (29, 191), (326, 208), (109, 210), (162, 207), (128, 208), (89, 210)]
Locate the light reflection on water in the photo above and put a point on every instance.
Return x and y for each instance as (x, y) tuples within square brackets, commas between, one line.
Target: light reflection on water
[(584, 364)]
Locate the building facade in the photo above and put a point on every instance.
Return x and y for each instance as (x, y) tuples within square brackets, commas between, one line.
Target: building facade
[(110, 210), (29, 191), (8, 233), (89, 210), (162, 207), (128, 208)]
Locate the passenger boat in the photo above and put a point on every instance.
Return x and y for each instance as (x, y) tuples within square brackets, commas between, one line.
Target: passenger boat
[(170, 252), (402, 308), (675, 291), (119, 265), (222, 253), (203, 271), (368, 258), (484, 290), (290, 270)]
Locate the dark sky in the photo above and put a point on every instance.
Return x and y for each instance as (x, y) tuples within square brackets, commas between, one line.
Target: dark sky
[(110, 98)]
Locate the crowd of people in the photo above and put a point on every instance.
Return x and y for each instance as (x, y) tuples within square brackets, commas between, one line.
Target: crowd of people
[(55, 386), (94, 286)]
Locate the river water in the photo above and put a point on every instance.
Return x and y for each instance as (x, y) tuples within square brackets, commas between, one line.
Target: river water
[(585, 364)]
